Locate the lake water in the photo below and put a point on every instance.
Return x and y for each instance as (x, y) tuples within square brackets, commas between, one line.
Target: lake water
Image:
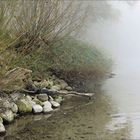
[(121, 38)]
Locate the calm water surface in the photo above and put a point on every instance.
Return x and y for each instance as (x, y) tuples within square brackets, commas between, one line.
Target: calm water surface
[(123, 41)]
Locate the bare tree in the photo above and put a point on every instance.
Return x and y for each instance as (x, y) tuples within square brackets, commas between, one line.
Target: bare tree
[(7, 9), (34, 22)]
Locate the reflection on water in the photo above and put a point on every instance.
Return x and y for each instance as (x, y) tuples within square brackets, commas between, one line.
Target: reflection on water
[(122, 38), (124, 92)]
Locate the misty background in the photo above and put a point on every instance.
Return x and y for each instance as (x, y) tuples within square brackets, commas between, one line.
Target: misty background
[(120, 36)]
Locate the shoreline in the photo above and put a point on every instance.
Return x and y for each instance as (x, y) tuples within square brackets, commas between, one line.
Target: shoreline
[(15, 105)]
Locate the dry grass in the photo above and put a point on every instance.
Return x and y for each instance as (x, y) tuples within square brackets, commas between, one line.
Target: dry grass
[(34, 34)]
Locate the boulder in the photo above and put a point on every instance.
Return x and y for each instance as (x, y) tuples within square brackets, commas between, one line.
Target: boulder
[(24, 106), (15, 79), (7, 116), (42, 97), (55, 104), (68, 88), (56, 88), (14, 107), (37, 108), (47, 107), (2, 129), (47, 103)]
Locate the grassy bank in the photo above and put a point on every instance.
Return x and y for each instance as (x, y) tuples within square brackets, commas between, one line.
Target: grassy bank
[(29, 37), (80, 64)]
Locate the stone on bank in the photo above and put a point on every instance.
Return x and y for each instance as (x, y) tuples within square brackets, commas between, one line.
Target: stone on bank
[(47, 107), (42, 97), (55, 104), (14, 107), (37, 108), (2, 129), (24, 106)]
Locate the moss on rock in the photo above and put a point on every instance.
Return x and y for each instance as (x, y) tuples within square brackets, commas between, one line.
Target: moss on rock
[(24, 106)]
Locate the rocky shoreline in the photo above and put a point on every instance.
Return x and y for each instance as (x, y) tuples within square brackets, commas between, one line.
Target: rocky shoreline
[(17, 104), (28, 96), (36, 96)]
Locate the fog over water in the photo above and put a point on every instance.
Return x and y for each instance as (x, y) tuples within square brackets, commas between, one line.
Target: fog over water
[(121, 37)]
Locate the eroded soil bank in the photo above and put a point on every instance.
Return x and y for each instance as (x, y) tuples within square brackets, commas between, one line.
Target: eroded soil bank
[(78, 119)]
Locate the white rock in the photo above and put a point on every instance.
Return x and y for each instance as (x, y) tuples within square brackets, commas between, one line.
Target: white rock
[(55, 104), (47, 103), (37, 108), (47, 107), (2, 128), (14, 107)]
